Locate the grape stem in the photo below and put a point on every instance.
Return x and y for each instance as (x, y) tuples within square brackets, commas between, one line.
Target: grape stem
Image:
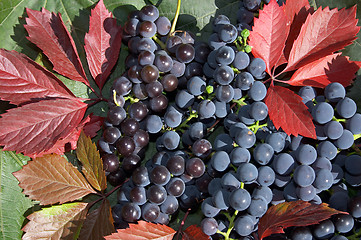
[(231, 224), (175, 18), (183, 222), (193, 114), (160, 43)]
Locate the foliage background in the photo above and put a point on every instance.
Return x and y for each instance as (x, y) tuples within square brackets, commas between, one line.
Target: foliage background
[(195, 16)]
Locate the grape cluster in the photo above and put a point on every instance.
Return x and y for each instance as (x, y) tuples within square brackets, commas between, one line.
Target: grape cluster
[(176, 90)]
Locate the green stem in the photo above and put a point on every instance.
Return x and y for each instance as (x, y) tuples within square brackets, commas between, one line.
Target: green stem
[(338, 120), (131, 99), (256, 126), (175, 18), (355, 236), (356, 136), (193, 114), (160, 43)]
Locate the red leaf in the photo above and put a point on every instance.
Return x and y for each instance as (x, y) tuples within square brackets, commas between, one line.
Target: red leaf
[(36, 127), (297, 213), (297, 12), (323, 33), (102, 43), (143, 231), (48, 32), (94, 124), (332, 68), (23, 80), (194, 232), (269, 34), (286, 110)]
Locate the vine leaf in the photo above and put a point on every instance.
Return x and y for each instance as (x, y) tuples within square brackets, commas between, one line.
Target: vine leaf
[(286, 110), (193, 232), (45, 123), (324, 32), (92, 168), (52, 179), (98, 223), (320, 73), (92, 126), (55, 222), (269, 34), (288, 214), (47, 31), (102, 43), (23, 80), (143, 230)]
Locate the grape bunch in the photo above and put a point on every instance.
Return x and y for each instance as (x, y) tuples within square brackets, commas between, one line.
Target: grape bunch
[(176, 91)]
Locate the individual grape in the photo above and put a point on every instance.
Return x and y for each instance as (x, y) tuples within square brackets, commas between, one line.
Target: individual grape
[(214, 185), (353, 164), (195, 167), (201, 148), (244, 16), (337, 173), (163, 25), (125, 146), (159, 103), (138, 195), (206, 109), (257, 67), (129, 126), (110, 162), (184, 99), (345, 141), (146, 44), (263, 153), (244, 80), (223, 75), (196, 86), (290, 191), (149, 73), (302, 233), (245, 138), (185, 53), (209, 226), (266, 176), (346, 107), (130, 26), (339, 237), (223, 142), (122, 86), (111, 134), (339, 200), (263, 191), (240, 199), (327, 149), (163, 62), (323, 180), (282, 180), (153, 123), (352, 180), (247, 173), (344, 223), (133, 44), (175, 187), (221, 199), (277, 141), (169, 82), (322, 163), (304, 175), (239, 155), (306, 193), (252, 5), (170, 205), (258, 91), (224, 93), (154, 89), (227, 33), (150, 212), (149, 13), (138, 111), (225, 55), (156, 194), (208, 209), (187, 37), (324, 230), (353, 124), (220, 161), (139, 91), (193, 69), (140, 176), (116, 115), (202, 182), (159, 175), (173, 118), (131, 162), (173, 42), (170, 140), (147, 29), (244, 225), (295, 142), (307, 92), (306, 154), (220, 20), (258, 111), (334, 92), (355, 207), (333, 130), (230, 182), (258, 206), (201, 52), (190, 198), (130, 212), (322, 112)]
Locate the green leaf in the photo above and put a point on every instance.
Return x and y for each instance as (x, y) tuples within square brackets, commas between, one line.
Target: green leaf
[(13, 202)]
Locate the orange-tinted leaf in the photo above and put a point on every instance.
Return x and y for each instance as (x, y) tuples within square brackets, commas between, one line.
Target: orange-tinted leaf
[(143, 231), (23, 80), (332, 68), (286, 110), (98, 223), (324, 32), (89, 156), (102, 43), (47, 31), (56, 222), (288, 214), (52, 179), (194, 232), (269, 34), (94, 124), (36, 127)]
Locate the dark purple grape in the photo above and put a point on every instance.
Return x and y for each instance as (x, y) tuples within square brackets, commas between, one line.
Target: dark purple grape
[(195, 167), (131, 212), (185, 53), (154, 89), (149, 13), (147, 29), (159, 175), (163, 62), (129, 126), (173, 42), (140, 176), (176, 165), (141, 138), (122, 86), (116, 115), (125, 146), (116, 178), (146, 58), (110, 162), (138, 195), (175, 187), (130, 26), (163, 25), (169, 82), (111, 134), (156, 194), (138, 111), (202, 148), (150, 212), (131, 162), (149, 73), (158, 103)]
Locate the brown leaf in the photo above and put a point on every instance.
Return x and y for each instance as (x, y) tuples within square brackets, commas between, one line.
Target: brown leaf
[(89, 156), (56, 222), (194, 232), (288, 214), (98, 223), (143, 231), (52, 179)]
